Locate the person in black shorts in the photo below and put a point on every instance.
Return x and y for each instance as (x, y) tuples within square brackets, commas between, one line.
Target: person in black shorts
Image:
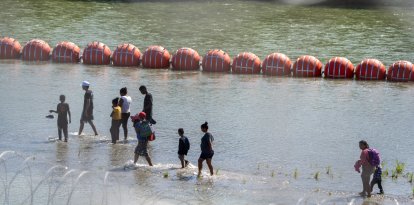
[(62, 122), (207, 151), (87, 112)]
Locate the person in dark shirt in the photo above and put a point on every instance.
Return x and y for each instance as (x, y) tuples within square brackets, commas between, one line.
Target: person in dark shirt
[(183, 147), (87, 112), (62, 122), (147, 104), (207, 151), (377, 179)]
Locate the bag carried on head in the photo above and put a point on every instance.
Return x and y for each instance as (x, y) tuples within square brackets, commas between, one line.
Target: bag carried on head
[(374, 157)]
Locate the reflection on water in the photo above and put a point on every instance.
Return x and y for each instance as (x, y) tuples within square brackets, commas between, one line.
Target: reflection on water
[(265, 128)]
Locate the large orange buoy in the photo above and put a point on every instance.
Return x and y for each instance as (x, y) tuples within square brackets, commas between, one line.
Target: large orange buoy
[(307, 66), (401, 71), (276, 64), (185, 59), (246, 63), (156, 57), (370, 69), (96, 53), (36, 50), (66, 52), (9, 48), (216, 61), (126, 55), (339, 67)]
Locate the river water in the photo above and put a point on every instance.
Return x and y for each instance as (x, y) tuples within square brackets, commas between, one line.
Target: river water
[(277, 140)]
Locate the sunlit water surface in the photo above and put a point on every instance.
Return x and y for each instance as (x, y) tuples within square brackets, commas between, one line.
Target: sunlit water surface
[(265, 128)]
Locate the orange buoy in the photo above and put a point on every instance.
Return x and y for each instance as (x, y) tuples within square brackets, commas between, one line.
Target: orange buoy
[(185, 59), (401, 71), (9, 48), (277, 64), (216, 61), (36, 50), (126, 55), (307, 66), (96, 53), (66, 52), (156, 57), (339, 67), (370, 69), (246, 63)]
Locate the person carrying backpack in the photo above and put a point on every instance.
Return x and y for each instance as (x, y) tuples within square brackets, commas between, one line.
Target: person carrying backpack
[(375, 160), (143, 130), (367, 168)]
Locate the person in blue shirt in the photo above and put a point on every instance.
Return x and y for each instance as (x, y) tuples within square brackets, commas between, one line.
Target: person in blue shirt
[(207, 151), (142, 129)]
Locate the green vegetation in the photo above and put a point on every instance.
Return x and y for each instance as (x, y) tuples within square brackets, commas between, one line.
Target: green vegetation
[(316, 176), (273, 173), (328, 170), (165, 175), (399, 167), (295, 174), (385, 173), (410, 177)]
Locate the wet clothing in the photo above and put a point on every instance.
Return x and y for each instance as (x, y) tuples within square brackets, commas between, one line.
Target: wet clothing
[(205, 142), (183, 145), (116, 113), (142, 148), (115, 130), (126, 102), (367, 170), (64, 128), (377, 179), (148, 108), (124, 119), (378, 173), (206, 153), (62, 121), (87, 113), (116, 122), (62, 110), (143, 130)]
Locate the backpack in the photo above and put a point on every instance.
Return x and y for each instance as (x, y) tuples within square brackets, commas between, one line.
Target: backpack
[(374, 157), (145, 129)]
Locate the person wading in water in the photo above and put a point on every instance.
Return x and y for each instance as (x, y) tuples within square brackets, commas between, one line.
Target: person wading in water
[(87, 112)]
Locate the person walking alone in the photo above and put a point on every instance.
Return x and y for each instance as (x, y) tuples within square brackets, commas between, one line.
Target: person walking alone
[(87, 112)]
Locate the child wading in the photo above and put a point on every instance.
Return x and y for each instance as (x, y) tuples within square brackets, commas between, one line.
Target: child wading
[(377, 179), (116, 120), (207, 151), (62, 121), (183, 147), (143, 130)]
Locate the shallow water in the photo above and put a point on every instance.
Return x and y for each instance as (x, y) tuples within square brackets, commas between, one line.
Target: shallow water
[(265, 128)]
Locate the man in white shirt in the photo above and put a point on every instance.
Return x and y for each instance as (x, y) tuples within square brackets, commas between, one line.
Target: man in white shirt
[(125, 103)]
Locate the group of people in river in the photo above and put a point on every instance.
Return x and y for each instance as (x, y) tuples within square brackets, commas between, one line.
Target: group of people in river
[(142, 123)]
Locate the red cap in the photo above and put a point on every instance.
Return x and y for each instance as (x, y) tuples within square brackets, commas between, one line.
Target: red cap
[(142, 115)]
